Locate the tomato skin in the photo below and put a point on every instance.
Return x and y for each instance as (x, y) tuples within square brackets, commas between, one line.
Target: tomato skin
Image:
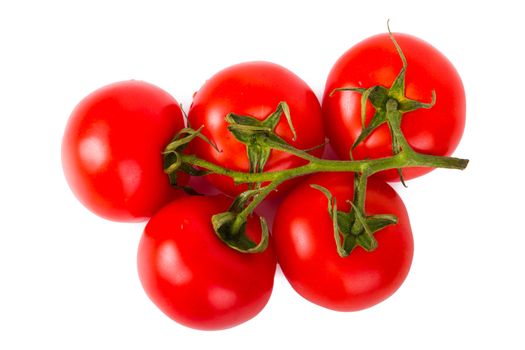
[(306, 249), (111, 150), (375, 61), (254, 89), (196, 279)]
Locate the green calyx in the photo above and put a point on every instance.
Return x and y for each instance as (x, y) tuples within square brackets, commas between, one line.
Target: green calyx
[(172, 154), (230, 226), (258, 134), (390, 104), (354, 228), (223, 223)]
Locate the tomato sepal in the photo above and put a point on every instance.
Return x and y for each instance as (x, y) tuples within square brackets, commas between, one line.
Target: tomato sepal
[(354, 228), (230, 226), (172, 154), (223, 225), (260, 138), (253, 132)]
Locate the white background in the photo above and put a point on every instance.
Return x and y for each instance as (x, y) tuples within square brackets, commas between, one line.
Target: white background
[(68, 279)]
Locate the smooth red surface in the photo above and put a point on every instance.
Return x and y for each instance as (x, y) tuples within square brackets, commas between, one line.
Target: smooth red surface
[(306, 249), (375, 61), (111, 150), (254, 89), (195, 278)]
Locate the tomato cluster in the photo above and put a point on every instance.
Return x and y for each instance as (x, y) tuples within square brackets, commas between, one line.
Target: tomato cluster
[(112, 155)]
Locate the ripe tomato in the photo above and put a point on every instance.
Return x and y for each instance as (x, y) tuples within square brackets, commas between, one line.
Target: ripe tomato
[(254, 89), (306, 250), (196, 279), (375, 61), (111, 150)]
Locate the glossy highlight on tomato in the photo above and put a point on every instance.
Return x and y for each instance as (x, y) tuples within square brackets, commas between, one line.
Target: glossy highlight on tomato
[(195, 278), (375, 61), (254, 89), (112, 150), (306, 249)]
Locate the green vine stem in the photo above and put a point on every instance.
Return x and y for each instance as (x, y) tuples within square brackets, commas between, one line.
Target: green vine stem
[(405, 158)]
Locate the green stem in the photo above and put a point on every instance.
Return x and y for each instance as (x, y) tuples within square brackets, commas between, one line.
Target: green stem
[(405, 158), (393, 116), (359, 200), (360, 191)]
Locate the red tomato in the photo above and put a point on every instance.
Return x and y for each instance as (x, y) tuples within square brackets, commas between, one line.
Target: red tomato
[(111, 150), (306, 250), (254, 89), (375, 61), (196, 279)]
